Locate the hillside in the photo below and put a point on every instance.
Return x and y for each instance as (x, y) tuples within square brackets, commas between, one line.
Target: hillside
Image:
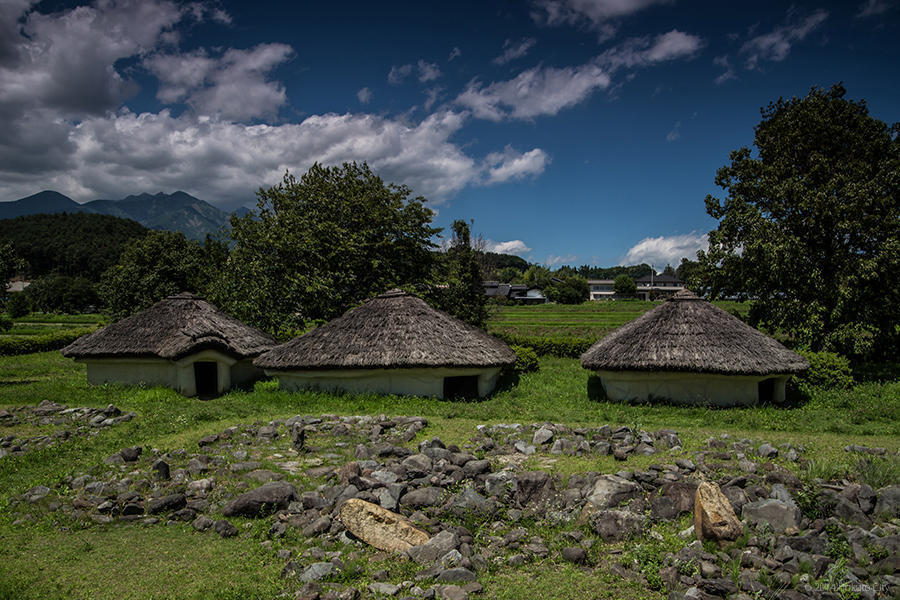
[(178, 211)]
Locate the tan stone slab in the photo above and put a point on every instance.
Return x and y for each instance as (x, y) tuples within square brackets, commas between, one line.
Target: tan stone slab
[(379, 527), (714, 518)]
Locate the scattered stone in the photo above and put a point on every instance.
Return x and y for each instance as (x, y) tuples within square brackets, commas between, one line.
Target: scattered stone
[(384, 589), (714, 518), (161, 470), (616, 525), (781, 516), (574, 554), (208, 440), (131, 454), (432, 550), (380, 528), (422, 497), (767, 451), (202, 523), (168, 503), (225, 529), (317, 571), (611, 490), (455, 574), (269, 497), (542, 436)]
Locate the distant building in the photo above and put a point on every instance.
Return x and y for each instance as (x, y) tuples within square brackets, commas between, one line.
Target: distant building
[(516, 292), (650, 287), (17, 285), (601, 289)]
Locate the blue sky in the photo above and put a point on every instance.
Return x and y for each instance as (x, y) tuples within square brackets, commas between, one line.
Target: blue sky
[(570, 131)]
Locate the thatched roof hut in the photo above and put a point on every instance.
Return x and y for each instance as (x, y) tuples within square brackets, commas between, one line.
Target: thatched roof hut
[(680, 349), (169, 342), (394, 343)]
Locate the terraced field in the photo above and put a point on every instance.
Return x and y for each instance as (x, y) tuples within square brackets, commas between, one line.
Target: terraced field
[(590, 320)]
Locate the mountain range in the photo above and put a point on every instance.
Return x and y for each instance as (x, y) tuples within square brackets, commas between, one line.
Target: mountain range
[(178, 211)]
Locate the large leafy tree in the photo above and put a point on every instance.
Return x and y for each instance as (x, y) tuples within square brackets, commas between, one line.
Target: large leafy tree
[(460, 289), (158, 265), (810, 226), (317, 245), (569, 289)]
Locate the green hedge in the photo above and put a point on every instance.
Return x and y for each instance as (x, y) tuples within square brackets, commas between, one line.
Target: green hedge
[(567, 348), (526, 359), (12, 345)]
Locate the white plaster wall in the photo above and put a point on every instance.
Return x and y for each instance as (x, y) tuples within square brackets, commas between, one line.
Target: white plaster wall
[(687, 388), (243, 372), (404, 382)]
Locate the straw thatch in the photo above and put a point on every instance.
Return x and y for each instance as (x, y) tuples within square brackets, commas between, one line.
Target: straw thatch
[(393, 330), (688, 334), (172, 329)]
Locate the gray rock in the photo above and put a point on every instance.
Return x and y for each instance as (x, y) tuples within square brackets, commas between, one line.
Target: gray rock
[(779, 515), (319, 526), (888, 503), (533, 487), (263, 476), (202, 523), (161, 470), (611, 490), (674, 499), (524, 448), (317, 571), (269, 497), (37, 493), (422, 497), (434, 549), (469, 501), (542, 436), (383, 589), (298, 437), (167, 503), (208, 440), (473, 468), (497, 483), (131, 454), (747, 466), (615, 525), (455, 574), (225, 529), (574, 554), (767, 451), (267, 432), (417, 465)]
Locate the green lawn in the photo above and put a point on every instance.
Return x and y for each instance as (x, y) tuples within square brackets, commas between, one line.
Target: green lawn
[(50, 557)]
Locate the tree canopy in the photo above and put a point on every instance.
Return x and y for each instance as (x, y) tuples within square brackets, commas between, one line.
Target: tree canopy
[(623, 285), (810, 225), (460, 291), (317, 245), (571, 289)]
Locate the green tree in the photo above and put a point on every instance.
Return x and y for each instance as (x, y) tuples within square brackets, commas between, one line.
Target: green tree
[(810, 226), (10, 263), (462, 294), (158, 265), (573, 289), (18, 305), (669, 270), (316, 246), (510, 275), (61, 294), (689, 271), (537, 276), (623, 285)]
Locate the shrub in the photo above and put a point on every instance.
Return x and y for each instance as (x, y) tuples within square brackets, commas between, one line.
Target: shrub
[(526, 359), (568, 348), (826, 370), (5, 323), (18, 305), (15, 345)]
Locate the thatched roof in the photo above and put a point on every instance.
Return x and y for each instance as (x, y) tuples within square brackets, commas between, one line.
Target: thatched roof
[(393, 330), (688, 334), (172, 329)]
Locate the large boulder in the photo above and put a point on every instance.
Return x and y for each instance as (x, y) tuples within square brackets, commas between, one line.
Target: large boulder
[(781, 516), (379, 527), (266, 498), (615, 525), (533, 487), (714, 519), (612, 490), (674, 498)]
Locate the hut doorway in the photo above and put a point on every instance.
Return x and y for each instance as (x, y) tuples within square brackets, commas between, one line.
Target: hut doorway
[(464, 387), (206, 379), (765, 391)]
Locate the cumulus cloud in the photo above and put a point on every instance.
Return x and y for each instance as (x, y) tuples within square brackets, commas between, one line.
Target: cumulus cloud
[(233, 86), (364, 95), (554, 260), (776, 45), (728, 73), (455, 53), (517, 247), (599, 15), (512, 164), (872, 8), (665, 250), (532, 93), (428, 71), (398, 73), (513, 50), (647, 51)]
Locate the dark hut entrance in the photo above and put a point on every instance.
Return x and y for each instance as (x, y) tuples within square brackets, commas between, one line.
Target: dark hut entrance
[(206, 378), (765, 391), (464, 387)]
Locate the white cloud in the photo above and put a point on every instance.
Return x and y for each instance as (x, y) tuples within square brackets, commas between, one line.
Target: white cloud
[(675, 133), (647, 51), (398, 74), (532, 93), (517, 247), (729, 73), (554, 260), (665, 250), (512, 164), (872, 8), (513, 50), (776, 45), (599, 15), (233, 86), (455, 53), (432, 95), (428, 71), (364, 95)]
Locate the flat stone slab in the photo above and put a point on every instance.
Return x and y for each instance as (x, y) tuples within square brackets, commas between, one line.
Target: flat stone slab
[(380, 527)]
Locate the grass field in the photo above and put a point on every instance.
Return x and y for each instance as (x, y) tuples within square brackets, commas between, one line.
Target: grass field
[(50, 557), (590, 320)]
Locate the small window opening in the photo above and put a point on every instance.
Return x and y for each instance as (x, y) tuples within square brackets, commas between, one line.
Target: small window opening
[(461, 388), (206, 378), (766, 390)]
